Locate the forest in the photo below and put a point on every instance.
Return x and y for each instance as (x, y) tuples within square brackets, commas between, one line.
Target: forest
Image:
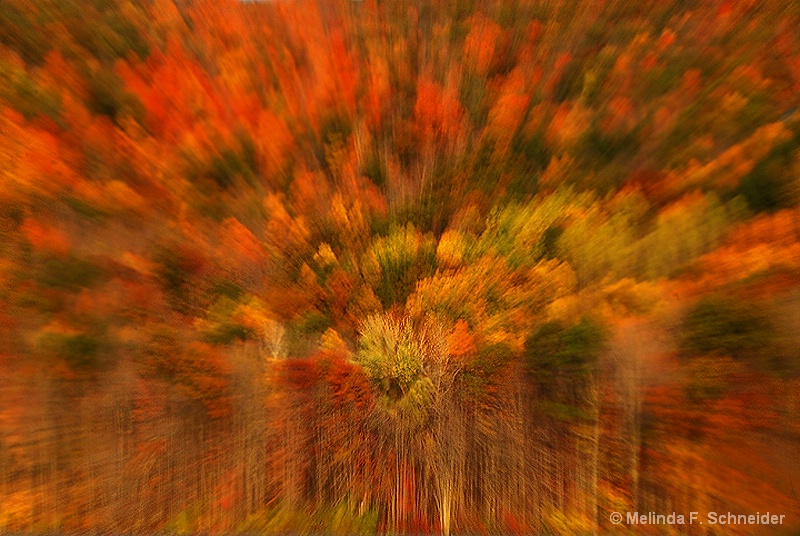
[(398, 267)]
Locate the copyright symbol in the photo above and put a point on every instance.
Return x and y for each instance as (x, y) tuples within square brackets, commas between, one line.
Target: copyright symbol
[(615, 518)]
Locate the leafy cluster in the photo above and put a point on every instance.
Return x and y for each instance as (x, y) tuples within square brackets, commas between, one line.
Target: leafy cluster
[(268, 263)]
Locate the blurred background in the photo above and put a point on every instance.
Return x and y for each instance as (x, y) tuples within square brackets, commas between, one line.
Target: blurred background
[(380, 266)]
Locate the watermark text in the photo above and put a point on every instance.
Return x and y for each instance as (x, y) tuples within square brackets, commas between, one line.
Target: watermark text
[(692, 518)]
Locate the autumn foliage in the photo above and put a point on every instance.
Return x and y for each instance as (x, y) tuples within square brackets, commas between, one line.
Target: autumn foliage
[(347, 266)]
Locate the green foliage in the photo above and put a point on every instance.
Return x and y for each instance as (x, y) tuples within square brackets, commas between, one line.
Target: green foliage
[(561, 361), (26, 96), (185, 521), (484, 173), (106, 93), (107, 96), (565, 412), (768, 188), (598, 245), (337, 519), (492, 233), (482, 376), (398, 261), (19, 32), (598, 148), (221, 327), (392, 357), (375, 170), (660, 81), (535, 149), (227, 166), (756, 112), (602, 241), (570, 84), (314, 323), (122, 35), (56, 271), (81, 351), (557, 348), (103, 29), (430, 211), (761, 188), (84, 209), (175, 268), (683, 234), (516, 232), (581, 344), (722, 326), (32, 297), (550, 241), (227, 288), (473, 93), (335, 129), (492, 358)]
